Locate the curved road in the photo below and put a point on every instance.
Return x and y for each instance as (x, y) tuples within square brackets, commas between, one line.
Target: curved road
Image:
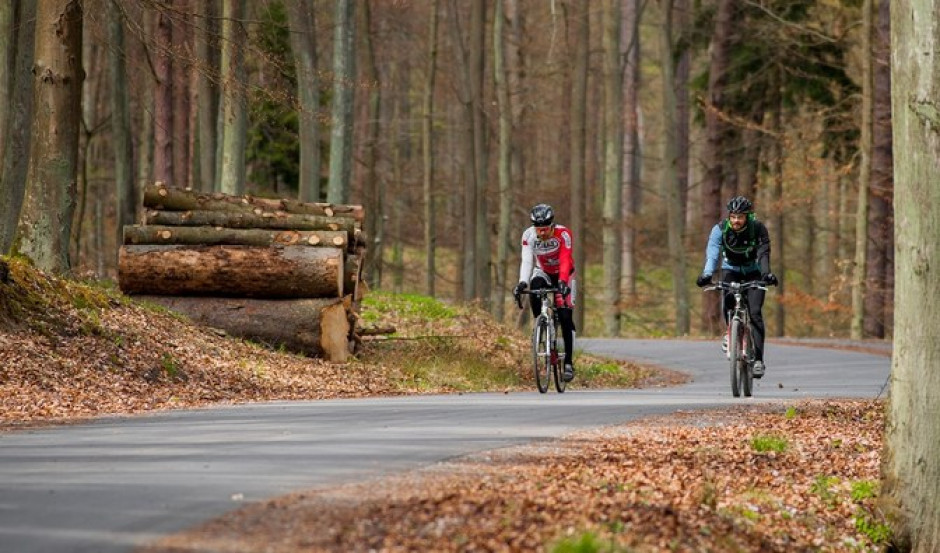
[(116, 483)]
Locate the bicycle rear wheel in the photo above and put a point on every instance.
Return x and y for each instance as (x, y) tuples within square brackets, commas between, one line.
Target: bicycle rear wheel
[(558, 355), (541, 354), (735, 355)]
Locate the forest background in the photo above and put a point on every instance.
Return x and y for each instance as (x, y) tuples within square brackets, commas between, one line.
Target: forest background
[(449, 119)]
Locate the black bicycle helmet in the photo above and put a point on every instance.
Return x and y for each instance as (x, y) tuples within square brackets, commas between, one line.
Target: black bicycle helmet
[(542, 215), (740, 204)]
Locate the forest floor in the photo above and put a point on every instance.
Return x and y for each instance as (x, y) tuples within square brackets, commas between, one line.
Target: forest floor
[(800, 477)]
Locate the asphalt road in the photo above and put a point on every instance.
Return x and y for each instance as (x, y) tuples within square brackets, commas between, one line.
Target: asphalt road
[(116, 483)]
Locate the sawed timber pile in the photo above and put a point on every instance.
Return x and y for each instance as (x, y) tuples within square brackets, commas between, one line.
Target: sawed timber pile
[(282, 272)]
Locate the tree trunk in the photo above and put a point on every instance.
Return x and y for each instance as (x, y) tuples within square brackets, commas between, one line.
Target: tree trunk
[(215, 236), (911, 463), (246, 271), (577, 146), (304, 48), (427, 137), (46, 220), (859, 282), (878, 314), (121, 124), (234, 98), (157, 196), (163, 100), (316, 327), (251, 220), (715, 142), (207, 110), (503, 162), (373, 188), (16, 148), (613, 166), (670, 181), (181, 33), (630, 47), (482, 255), (7, 69), (344, 74)]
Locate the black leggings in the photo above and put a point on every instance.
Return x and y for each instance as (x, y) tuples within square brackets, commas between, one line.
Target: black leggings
[(755, 301), (565, 316)]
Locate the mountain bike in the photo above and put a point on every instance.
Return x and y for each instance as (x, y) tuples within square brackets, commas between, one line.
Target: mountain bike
[(740, 342), (548, 349)]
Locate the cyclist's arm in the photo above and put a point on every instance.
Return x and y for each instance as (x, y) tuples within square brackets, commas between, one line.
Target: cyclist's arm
[(763, 248), (528, 255), (712, 251), (565, 260)]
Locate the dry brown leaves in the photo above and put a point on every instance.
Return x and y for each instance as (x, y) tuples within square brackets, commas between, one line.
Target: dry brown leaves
[(689, 482)]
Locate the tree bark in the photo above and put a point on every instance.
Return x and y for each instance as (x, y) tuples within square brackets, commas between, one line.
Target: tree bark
[(344, 73), (46, 219), (859, 281), (16, 148), (234, 109), (503, 161), (215, 236), (316, 327), (207, 95), (374, 186), (911, 463), (715, 142), (245, 271), (126, 192), (251, 220), (304, 48), (630, 46), (163, 100), (577, 145), (427, 135), (157, 196), (613, 166)]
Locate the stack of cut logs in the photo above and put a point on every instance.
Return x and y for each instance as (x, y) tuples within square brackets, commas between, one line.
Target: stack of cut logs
[(281, 272)]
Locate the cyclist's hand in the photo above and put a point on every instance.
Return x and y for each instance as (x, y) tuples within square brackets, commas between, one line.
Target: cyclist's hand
[(703, 280), (517, 292), (563, 288), (770, 279)]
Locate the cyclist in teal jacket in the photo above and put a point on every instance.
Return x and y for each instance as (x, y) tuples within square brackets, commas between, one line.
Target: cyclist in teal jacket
[(743, 244)]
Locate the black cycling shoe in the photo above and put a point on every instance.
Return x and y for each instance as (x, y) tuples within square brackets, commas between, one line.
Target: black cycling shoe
[(758, 369), (568, 374)]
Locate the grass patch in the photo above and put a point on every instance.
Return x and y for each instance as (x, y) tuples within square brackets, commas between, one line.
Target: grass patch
[(766, 443)]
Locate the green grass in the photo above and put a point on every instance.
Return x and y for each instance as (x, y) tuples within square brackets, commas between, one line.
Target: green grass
[(763, 444)]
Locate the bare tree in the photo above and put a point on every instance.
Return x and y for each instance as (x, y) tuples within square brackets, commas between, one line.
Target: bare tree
[(373, 189), (577, 144), (504, 159), (613, 165), (46, 218), (234, 108), (341, 121), (205, 72), (670, 182), (427, 132), (630, 51), (304, 47), (19, 100), (911, 463), (864, 180), (163, 99), (121, 123)]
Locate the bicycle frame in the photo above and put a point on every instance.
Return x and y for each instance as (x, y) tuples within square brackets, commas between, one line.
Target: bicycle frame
[(740, 346), (547, 321)]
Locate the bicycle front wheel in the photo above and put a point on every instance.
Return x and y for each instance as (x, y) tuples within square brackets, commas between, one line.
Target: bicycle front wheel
[(541, 354), (736, 357), (559, 357), (747, 373)]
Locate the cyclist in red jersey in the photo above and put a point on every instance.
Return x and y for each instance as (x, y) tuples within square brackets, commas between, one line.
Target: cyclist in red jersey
[(547, 261)]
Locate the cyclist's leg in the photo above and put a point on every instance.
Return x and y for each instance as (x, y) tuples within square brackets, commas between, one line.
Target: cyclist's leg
[(755, 303), (539, 280), (566, 318)]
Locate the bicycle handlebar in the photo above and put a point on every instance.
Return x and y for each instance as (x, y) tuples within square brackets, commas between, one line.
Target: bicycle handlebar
[(740, 286), (536, 292)]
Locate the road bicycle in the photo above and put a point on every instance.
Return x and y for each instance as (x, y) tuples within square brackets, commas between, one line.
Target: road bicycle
[(548, 349), (740, 341)]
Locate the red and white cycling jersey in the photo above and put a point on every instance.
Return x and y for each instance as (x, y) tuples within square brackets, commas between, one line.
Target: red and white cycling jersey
[(552, 256)]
